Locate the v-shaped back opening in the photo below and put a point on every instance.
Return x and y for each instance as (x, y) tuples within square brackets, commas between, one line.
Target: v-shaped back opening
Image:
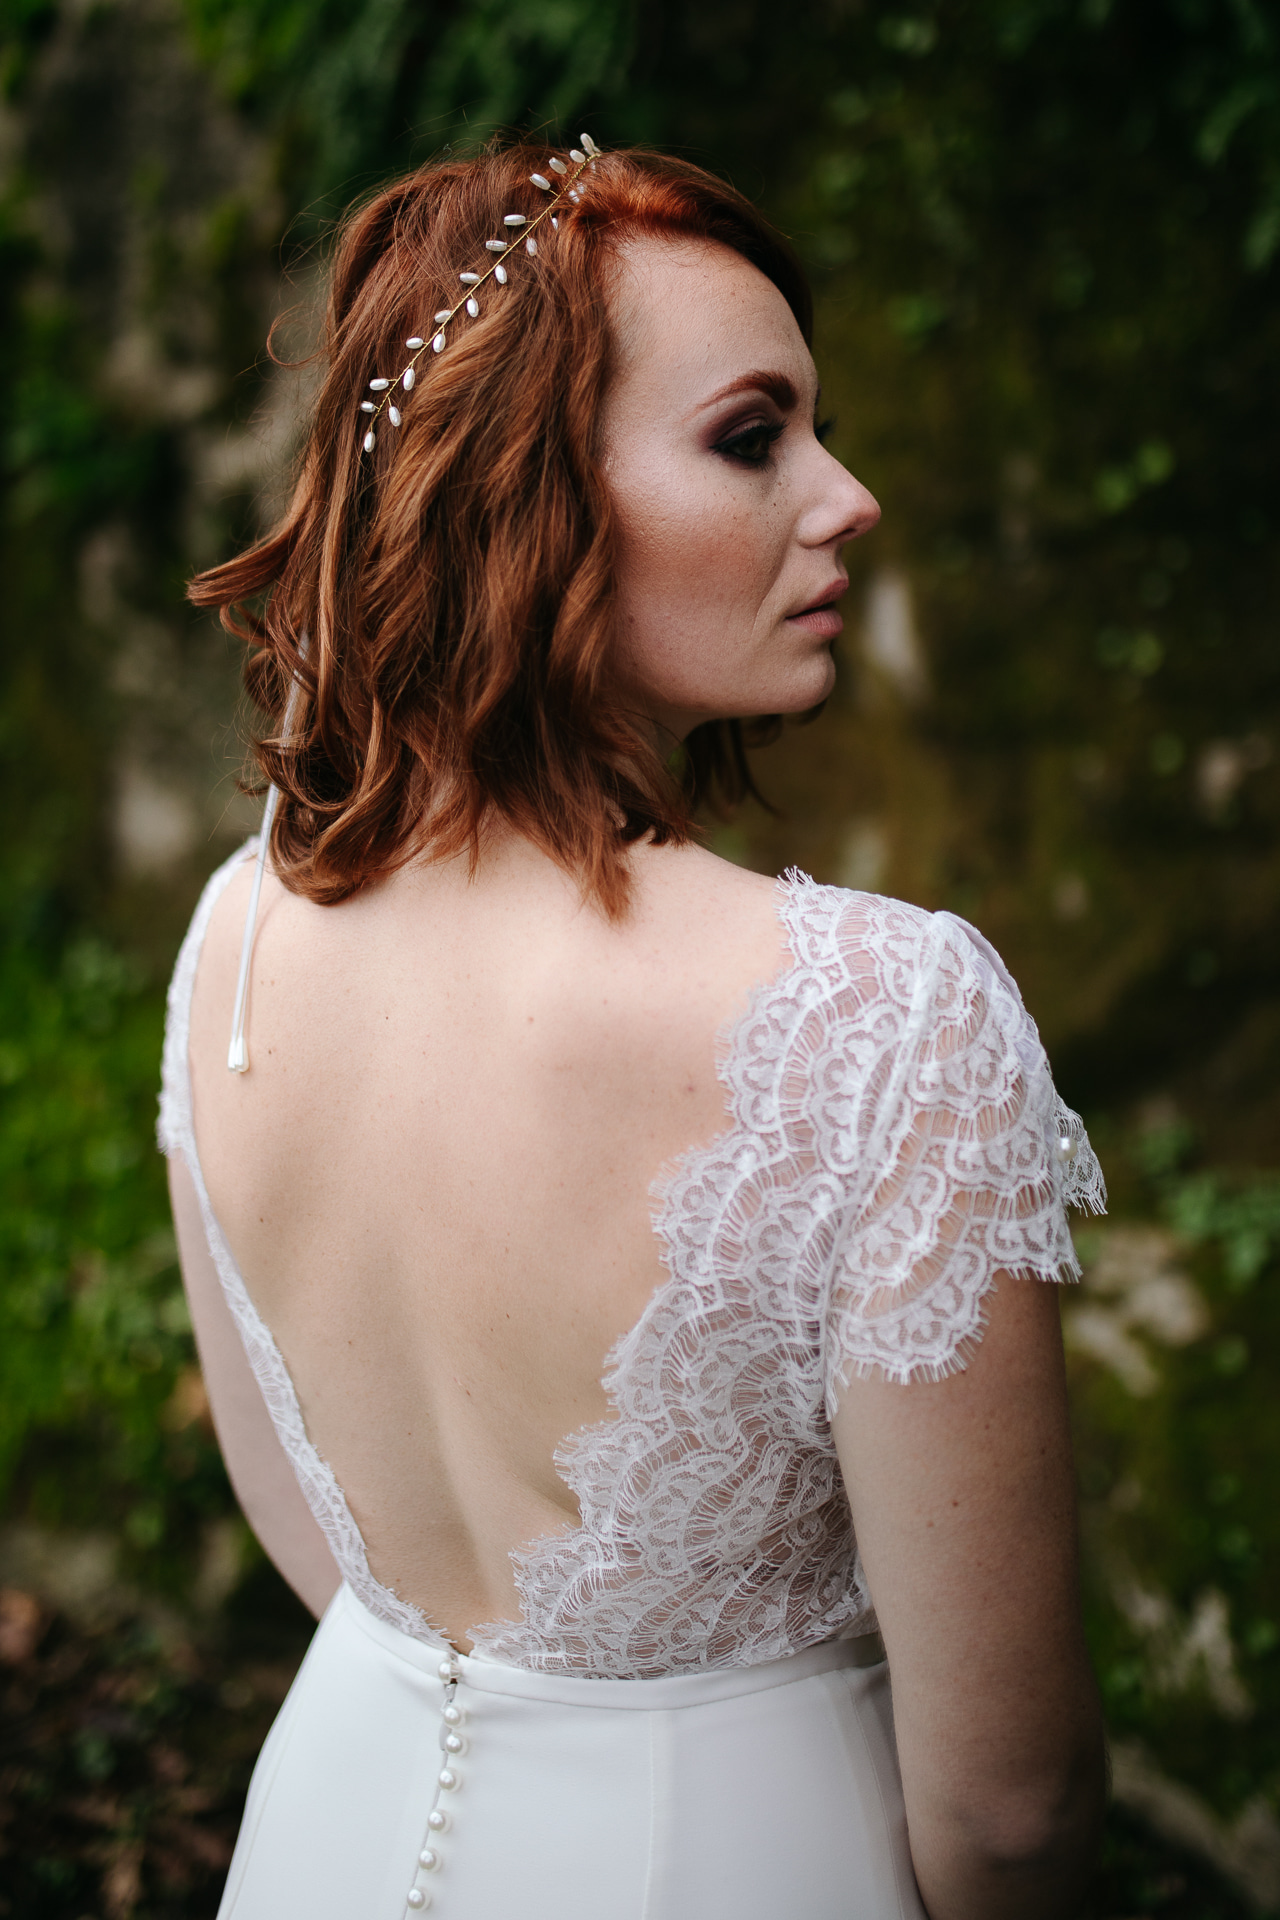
[(578, 1456)]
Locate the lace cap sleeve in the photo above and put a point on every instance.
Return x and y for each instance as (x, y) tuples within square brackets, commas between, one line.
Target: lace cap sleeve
[(961, 1157)]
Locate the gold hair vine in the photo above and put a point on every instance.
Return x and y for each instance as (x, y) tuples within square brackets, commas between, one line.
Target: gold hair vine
[(522, 234)]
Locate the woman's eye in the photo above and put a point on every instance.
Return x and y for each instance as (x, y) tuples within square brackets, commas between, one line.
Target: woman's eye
[(752, 446)]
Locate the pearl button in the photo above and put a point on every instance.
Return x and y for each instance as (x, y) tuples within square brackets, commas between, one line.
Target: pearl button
[(429, 1859), (437, 1820), (416, 1897), (452, 1743), (448, 1779), (447, 1670), (453, 1715)]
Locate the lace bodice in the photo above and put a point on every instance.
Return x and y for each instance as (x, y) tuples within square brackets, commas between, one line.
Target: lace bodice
[(894, 1142)]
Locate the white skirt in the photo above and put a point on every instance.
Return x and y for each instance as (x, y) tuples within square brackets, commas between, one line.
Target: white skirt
[(759, 1793)]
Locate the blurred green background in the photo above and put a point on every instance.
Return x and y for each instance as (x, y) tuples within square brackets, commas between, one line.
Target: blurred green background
[(1045, 237)]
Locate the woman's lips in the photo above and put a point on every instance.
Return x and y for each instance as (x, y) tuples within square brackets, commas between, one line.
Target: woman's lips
[(824, 622), (823, 619)]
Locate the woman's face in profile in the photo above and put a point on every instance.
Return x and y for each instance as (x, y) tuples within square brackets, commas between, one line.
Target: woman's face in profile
[(731, 515)]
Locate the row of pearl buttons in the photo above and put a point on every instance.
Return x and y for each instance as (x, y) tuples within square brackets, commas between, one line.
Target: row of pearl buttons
[(452, 1745)]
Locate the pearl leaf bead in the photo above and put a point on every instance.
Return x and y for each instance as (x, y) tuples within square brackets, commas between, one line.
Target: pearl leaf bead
[(574, 155), (407, 378), (531, 245), (496, 246), (393, 415), (473, 307), (367, 406), (414, 343), (557, 166), (368, 441), (378, 386), (500, 275), (514, 220), (469, 279), (541, 180)]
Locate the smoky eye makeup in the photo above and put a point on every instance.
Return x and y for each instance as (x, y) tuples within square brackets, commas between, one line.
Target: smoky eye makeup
[(750, 445)]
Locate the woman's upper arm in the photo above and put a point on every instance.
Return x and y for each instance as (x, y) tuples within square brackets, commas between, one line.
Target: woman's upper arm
[(947, 1396), (962, 1493), (260, 1473)]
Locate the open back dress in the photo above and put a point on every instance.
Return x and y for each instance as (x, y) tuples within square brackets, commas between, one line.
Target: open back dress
[(691, 1718)]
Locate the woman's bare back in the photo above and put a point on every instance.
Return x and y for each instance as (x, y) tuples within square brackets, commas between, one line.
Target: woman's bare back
[(435, 1178)]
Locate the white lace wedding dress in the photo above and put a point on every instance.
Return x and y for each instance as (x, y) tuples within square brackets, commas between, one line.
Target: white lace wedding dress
[(691, 1718)]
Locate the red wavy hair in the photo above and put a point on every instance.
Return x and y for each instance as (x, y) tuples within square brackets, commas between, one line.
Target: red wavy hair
[(457, 585)]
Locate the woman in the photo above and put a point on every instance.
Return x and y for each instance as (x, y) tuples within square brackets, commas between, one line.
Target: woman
[(615, 1272)]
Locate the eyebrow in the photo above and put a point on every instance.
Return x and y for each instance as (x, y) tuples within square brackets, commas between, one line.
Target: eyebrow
[(775, 386)]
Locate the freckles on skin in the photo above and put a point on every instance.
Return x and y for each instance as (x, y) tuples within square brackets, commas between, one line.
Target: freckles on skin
[(719, 555)]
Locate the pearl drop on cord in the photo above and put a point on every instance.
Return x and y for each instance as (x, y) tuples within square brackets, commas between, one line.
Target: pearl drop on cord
[(500, 275), (393, 415), (469, 279), (496, 246), (541, 180), (415, 343), (378, 386), (473, 307), (367, 406), (445, 313), (408, 378), (368, 441), (556, 165), (514, 220), (531, 245), (579, 157)]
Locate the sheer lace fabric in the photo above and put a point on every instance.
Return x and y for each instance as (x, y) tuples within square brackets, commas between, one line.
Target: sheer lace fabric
[(894, 1142)]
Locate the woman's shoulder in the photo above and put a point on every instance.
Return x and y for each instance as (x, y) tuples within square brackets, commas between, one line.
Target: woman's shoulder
[(889, 948)]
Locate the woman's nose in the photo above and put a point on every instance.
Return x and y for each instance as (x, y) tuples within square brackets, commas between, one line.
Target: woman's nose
[(844, 510)]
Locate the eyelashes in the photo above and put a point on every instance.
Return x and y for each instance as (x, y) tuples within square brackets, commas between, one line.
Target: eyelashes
[(752, 446)]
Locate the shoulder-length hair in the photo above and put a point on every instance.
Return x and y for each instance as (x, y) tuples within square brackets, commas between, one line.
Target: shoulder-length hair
[(456, 586)]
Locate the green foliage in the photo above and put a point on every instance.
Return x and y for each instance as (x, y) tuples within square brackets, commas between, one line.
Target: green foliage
[(1176, 1454), (94, 1332), (357, 93)]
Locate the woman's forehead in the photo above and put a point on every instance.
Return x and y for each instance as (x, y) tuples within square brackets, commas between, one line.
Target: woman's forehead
[(693, 317)]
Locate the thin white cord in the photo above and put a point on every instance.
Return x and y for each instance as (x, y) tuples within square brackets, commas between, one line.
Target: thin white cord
[(238, 1051)]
